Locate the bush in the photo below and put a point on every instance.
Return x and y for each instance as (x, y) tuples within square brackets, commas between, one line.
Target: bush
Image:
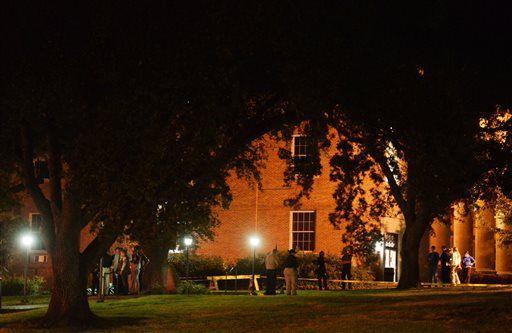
[(14, 286), (488, 278), (189, 287), (199, 266), (306, 267), (203, 266), (244, 265)]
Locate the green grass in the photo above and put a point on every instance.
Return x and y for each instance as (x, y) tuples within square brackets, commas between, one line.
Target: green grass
[(443, 310)]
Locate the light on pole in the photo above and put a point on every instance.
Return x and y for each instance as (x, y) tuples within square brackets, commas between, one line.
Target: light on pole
[(255, 242), (26, 242), (188, 242)]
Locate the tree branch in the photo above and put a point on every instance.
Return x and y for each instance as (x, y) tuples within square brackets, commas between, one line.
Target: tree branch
[(396, 190), (32, 187), (28, 178), (101, 243), (55, 169)]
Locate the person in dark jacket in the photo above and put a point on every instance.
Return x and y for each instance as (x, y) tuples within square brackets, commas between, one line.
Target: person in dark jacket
[(433, 262), (346, 266), (123, 271), (321, 271), (446, 266), (143, 263), (290, 273), (95, 287)]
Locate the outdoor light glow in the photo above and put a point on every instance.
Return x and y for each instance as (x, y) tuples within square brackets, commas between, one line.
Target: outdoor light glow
[(27, 240), (255, 241), (187, 241), (379, 246)]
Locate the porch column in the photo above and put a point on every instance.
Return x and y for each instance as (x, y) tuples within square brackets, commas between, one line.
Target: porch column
[(485, 246), (503, 252), (463, 228), (440, 235)]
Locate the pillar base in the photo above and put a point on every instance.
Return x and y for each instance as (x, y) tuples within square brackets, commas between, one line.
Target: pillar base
[(486, 271), (504, 273)]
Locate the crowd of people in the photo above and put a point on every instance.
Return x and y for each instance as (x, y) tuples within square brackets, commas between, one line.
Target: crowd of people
[(454, 268), (451, 264), (290, 271), (121, 273)]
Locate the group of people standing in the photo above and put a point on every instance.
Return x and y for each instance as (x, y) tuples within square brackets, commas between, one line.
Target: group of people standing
[(450, 262), (290, 272), (346, 269), (291, 266), (123, 271)]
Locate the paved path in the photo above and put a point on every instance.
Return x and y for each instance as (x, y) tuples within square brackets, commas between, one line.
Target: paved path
[(23, 307)]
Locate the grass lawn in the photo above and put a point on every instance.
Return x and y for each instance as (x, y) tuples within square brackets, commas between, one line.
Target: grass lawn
[(437, 310)]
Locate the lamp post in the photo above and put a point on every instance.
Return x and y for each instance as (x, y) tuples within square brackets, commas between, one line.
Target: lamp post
[(255, 241), (26, 242), (188, 242)]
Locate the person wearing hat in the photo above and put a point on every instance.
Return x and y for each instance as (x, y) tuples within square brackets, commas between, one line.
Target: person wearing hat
[(290, 273)]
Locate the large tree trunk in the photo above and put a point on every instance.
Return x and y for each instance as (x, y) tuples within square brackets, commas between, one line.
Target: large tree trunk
[(411, 240), (68, 304), (158, 274)]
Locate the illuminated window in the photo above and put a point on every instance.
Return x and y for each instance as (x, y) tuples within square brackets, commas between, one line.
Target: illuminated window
[(299, 146), (303, 230), (40, 259)]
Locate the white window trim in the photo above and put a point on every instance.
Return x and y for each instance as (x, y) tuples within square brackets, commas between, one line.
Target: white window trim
[(30, 218), (290, 234), (293, 145), (45, 259)]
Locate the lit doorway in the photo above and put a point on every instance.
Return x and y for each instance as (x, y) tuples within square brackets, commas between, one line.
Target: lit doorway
[(390, 257)]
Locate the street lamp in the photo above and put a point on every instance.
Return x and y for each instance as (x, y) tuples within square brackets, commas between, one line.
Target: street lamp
[(187, 240), (254, 241), (26, 241)]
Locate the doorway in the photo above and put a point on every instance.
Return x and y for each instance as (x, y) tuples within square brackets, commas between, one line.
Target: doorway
[(390, 257)]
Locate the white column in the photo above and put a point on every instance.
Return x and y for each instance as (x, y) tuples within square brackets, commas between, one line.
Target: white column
[(503, 252), (485, 247), (463, 237), (440, 236)]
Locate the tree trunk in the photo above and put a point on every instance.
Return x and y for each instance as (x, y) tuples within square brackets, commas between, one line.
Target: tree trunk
[(68, 304), (410, 268), (156, 275)]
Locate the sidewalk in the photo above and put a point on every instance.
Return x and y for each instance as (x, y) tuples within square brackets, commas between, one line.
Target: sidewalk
[(21, 307)]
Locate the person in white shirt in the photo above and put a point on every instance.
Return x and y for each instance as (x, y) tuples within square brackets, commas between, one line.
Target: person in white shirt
[(456, 261), (271, 264)]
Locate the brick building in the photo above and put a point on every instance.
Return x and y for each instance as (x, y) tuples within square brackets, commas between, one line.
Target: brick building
[(262, 212)]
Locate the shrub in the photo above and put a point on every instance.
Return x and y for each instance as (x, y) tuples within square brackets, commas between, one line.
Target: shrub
[(306, 267), (203, 266), (189, 287), (199, 266), (14, 286), (244, 265), (488, 278)]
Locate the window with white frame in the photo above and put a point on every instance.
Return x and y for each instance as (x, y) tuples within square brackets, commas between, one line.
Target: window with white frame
[(40, 259), (299, 146), (303, 230), (36, 223)]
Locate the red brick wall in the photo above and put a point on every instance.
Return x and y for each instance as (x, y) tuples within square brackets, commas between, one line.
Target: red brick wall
[(273, 217)]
